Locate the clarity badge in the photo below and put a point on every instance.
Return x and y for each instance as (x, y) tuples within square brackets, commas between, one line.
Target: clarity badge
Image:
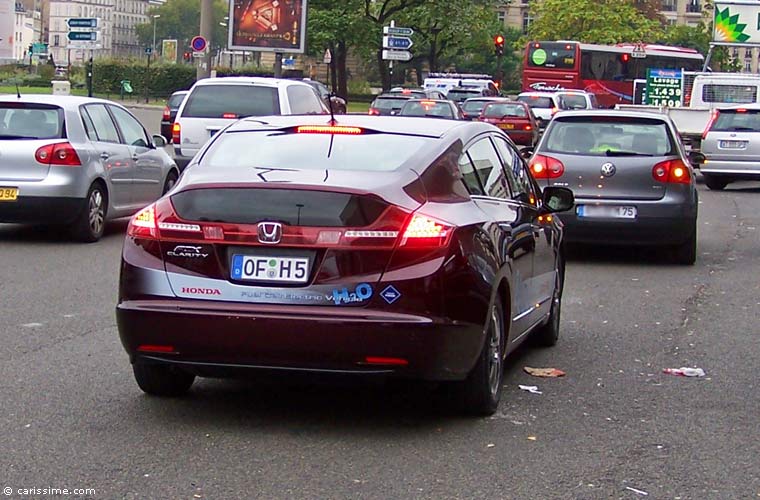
[(362, 292)]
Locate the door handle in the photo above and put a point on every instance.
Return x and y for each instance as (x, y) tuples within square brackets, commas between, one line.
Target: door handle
[(104, 156)]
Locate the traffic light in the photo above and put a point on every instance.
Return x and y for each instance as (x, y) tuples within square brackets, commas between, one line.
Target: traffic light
[(187, 56), (498, 45)]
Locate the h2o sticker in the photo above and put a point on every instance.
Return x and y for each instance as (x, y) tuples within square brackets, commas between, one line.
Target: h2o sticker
[(362, 292)]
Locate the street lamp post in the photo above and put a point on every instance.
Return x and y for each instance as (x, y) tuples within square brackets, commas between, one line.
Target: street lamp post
[(150, 54), (155, 16)]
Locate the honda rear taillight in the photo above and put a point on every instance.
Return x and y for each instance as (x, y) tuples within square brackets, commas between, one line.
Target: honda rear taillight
[(167, 113), (423, 231), (176, 133), (61, 153), (672, 171), (546, 167), (713, 117), (143, 223)]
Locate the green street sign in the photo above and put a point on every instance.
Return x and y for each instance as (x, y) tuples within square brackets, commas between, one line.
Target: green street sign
[(664, 87)]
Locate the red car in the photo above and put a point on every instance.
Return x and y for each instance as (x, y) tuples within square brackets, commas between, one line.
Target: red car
[(514, 118)]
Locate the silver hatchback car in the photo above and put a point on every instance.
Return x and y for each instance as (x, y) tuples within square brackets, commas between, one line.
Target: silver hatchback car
[(632, 180), (731, 146), (77, 161)]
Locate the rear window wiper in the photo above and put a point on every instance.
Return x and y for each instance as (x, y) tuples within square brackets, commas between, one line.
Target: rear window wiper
[(11, 136), (609, 152)]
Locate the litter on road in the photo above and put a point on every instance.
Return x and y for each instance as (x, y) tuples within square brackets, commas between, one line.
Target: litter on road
[(533, 389), (685, 372), (638, 492), (544, 372)]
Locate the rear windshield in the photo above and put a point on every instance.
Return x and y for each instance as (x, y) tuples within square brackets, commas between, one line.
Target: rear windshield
[(278, 150), (737, 121), (500, 110), (473, 105), (410, 93), (430, 109), (389, 103), (231, 101), (30, 121), (536, 101), (610, 136), (176, 100), (288, 206), (460, 95), (572, 102), (739, 94)]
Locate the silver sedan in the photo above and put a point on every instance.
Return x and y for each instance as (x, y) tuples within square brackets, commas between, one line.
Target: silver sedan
[(77, 161)]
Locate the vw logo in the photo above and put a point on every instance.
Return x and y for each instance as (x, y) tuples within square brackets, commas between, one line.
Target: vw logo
[(608, 169), (269, 232)]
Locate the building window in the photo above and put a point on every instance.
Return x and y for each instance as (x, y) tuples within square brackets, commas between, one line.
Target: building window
[(693, 6), (501, 15), (56, 40), (527, 19)]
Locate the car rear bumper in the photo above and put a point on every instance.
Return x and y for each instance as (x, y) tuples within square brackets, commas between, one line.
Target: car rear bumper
[(210, 338), (521, 137), (731, 167), (656, 223), (41, 210)]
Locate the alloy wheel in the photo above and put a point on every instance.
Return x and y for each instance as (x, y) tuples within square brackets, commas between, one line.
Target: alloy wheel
[(96, 211), (494, 351)]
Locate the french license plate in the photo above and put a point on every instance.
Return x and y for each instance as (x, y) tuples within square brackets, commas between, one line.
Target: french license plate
[(268, 268), (508, 126), (606, 211), (8, 194), (733, 144)]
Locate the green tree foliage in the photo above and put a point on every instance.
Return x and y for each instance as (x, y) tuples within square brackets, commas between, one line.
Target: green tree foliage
[(180, 20), (698, 38), (592, 21)]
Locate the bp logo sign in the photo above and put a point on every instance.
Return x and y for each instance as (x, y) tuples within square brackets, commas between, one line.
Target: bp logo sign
[(736, 23)]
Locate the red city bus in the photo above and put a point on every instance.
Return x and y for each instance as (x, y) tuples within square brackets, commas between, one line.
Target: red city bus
[(608, 71)]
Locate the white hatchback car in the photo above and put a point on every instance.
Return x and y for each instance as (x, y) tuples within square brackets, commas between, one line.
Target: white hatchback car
[(543, 105), (214, 103)]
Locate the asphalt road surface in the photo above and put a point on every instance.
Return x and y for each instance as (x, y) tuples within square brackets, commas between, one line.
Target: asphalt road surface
[(72, 416)]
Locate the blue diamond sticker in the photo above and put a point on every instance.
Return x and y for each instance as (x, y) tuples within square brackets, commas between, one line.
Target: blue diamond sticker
[(390, 294)]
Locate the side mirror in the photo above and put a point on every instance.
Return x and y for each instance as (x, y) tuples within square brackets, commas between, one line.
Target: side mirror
[(526, 152), (696, 158), (557, 199), (159, 141)]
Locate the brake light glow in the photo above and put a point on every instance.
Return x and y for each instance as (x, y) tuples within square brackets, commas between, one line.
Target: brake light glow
[(61, 153), (424, 231), (546, 167), (555, 109), (328, 129), (156, 348), (671, 171), (176, 133), (229, 115), (374, 111), (167, 113), (143, 224), (713, 117), (527, 127)]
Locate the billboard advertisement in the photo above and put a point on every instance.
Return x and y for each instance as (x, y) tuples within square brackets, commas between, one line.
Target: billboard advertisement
[(736, 22), (169, 51), (268, 25), (7, 21)]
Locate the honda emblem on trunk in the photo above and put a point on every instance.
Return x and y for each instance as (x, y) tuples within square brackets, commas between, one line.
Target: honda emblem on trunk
[(269, 232)]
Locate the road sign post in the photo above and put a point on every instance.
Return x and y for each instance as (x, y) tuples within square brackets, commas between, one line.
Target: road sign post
[(396, 43)]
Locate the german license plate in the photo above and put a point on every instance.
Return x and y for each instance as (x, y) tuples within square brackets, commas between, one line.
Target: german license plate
[(508, 126), (8, 193), (606, 211), (268, 268), (733, 144)]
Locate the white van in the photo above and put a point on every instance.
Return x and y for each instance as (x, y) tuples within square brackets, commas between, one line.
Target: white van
[(717, 90), (444, 82)]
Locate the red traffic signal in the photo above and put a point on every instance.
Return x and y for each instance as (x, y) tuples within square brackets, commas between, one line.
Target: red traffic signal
[(498, 45)]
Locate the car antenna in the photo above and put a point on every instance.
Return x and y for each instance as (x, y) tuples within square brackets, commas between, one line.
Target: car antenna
[(18, 92)]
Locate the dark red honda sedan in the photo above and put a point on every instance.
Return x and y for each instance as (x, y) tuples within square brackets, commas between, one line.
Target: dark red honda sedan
[(412, 248)]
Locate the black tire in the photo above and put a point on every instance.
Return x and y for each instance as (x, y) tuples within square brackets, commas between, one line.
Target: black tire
[(171, 180), (686, 253), (547, 335), (480, 393), (91, 221), (715, 183), (162, 380)]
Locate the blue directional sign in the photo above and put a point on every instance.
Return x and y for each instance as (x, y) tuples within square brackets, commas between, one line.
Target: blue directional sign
[(397, 42), (83, 36), (83, 22)]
